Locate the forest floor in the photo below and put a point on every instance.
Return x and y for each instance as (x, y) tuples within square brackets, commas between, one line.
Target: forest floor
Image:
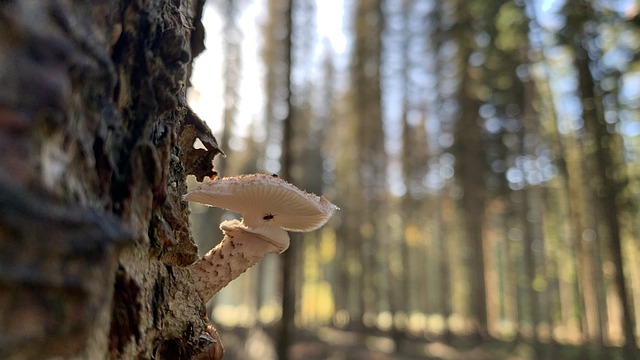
[(335, 344)]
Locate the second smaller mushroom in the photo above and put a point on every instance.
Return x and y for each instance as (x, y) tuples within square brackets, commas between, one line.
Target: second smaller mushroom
[(270, 207)]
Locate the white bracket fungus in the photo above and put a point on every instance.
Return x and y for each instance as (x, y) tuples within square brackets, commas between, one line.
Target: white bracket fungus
[(270, 207)]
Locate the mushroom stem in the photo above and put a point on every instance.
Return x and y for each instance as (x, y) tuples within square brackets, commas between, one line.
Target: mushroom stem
[(236, 253)]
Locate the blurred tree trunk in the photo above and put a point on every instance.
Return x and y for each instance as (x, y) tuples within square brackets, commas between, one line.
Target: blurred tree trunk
[(232, 37), (513, 99), (369, 137), (470, 166), (95, 144), (444, 205), (337, 274), (544, 270), (565, 202), (413, 274), (271, 56), (289, 258), (591, 325), (470, 174), (604, 150), (444, 272)]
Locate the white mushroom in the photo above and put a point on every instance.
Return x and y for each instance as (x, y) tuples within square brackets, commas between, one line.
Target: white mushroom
[(270, 206)]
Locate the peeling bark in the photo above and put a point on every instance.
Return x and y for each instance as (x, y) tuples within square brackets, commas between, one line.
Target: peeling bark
[(96, 141)]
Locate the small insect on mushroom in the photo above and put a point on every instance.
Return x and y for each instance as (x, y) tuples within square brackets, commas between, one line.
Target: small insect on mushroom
[(268, 217)]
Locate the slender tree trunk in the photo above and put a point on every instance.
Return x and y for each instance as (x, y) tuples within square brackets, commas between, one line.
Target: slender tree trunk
[(529, 265), (608, 178), (599, 148), (444, 270), (513, 311), (470, 165), (586, 280), (568, 260), (469, 172), (289, 257), (369, 139)]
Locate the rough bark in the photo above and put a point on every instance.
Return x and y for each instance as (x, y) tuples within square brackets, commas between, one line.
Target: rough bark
[(95, 143)]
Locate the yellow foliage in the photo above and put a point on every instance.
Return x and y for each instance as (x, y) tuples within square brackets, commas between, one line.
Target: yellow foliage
[(317, 302), (412, 235), (367, 230), (311, 266), (327, 245), (512, 25)]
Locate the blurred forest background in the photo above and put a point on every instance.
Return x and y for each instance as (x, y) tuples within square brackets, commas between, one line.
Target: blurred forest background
[(485, 156)]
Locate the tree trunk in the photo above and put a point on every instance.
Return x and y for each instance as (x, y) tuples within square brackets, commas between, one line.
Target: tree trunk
[(96, 140), (608, 182), (470, 167), (470, 174), (366, 79), (288, 264)]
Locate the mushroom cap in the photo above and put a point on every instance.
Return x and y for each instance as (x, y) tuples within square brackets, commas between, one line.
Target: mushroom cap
[(265, 200)]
